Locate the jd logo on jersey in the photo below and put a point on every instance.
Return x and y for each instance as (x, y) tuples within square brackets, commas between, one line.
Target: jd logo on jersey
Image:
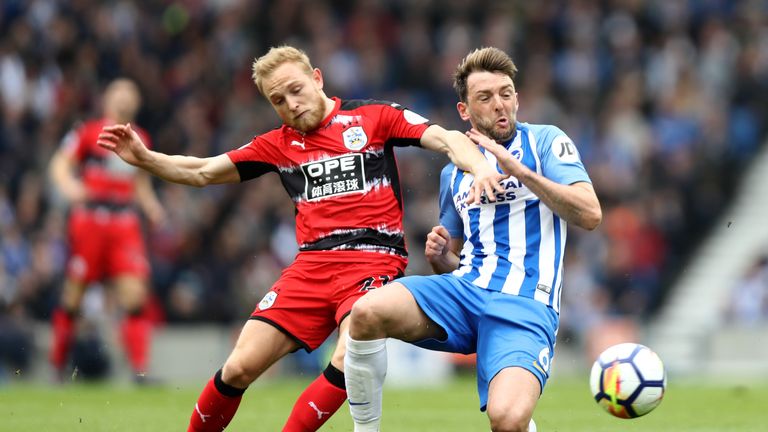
[(355, 138), (565, 150), (340, 175)]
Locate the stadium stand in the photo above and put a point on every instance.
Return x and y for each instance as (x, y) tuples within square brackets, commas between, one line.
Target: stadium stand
[(666, 101)]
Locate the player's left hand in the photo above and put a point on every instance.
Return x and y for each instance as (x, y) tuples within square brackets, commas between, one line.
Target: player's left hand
[(507, 162)]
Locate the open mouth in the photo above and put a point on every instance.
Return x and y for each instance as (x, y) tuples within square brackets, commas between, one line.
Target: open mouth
[(502, 122)]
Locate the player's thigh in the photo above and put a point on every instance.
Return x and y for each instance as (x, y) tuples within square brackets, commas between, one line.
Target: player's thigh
[(131, 291), (257, 348), (392, 311), (72, 294), (512, 396)]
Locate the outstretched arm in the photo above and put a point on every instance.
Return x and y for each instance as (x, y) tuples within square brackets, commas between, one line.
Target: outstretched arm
[(188, 170), (465, 155), (61, 170), (576, 203), (147, 199), (441, 251)]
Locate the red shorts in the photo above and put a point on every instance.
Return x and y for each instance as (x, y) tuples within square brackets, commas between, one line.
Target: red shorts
[(317, 291), (105, 244)]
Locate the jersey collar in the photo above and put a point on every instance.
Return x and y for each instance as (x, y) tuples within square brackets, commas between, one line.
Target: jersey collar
[(508, 143), (334, 111)]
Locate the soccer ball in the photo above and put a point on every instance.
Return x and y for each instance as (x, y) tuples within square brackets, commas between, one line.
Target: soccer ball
[(628, 380)]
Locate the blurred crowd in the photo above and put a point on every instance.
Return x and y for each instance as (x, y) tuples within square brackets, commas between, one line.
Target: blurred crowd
[(748, 305), (665, 99)]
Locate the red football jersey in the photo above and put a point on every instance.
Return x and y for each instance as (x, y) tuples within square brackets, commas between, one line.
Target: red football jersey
[(106, 177), (342, 176)]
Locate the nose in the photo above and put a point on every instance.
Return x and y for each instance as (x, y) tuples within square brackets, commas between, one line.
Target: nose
[(293, 104), (497, 103)]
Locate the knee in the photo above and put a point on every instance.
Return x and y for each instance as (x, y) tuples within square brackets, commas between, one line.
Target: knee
[(508, 419), (239, 373), (366, 320)]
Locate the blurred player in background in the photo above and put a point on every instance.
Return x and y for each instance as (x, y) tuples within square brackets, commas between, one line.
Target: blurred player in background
[(105, 233), (336, 161), (498, 265)]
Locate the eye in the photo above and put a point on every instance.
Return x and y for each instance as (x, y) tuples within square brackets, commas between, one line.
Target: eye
[(278, 101), (296, 89)]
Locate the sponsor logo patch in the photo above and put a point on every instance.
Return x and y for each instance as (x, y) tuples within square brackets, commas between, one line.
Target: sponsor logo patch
[(340, 175), (413, 118), (268, 300), (565, 150)]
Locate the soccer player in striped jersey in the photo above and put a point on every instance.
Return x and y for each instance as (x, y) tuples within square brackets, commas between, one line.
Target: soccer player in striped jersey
[(498, 263), (336, 160)]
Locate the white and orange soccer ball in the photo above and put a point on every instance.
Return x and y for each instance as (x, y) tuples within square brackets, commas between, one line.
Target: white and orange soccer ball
[(628, 380)]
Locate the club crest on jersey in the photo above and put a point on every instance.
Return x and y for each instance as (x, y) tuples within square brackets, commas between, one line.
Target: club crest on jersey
[(355, 138), (268, 300), (335, 176), (517, 153)]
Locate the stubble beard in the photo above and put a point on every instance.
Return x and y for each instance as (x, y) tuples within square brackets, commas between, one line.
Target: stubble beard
[(497, 134), (311, 119)]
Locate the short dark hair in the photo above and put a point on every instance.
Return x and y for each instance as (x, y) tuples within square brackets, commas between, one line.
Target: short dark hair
[(487, 59)]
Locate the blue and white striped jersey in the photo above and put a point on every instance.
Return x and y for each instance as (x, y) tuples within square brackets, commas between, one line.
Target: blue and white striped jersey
[(516, 244)]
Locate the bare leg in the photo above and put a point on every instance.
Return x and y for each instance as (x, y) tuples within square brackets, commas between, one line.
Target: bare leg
[(258, 347), (512, 397), (390, 311)]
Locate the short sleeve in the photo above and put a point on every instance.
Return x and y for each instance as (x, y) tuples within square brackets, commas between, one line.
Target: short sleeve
[(560, 159), (72, 145), (254, 158), (405, 127)]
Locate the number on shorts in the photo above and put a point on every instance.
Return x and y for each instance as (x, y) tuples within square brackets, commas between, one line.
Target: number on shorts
[(371, 282)]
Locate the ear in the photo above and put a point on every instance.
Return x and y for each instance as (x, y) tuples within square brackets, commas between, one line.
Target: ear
[(463, 111), (317, 77)]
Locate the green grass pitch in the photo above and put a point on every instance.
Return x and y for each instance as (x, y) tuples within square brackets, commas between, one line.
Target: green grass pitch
[(566, 406)]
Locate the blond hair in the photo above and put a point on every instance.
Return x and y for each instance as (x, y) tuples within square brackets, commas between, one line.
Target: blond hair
[(482, 59), (276, 57)]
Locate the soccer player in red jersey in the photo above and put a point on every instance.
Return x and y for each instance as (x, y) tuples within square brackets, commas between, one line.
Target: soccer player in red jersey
[(105, 237), (336, 161)]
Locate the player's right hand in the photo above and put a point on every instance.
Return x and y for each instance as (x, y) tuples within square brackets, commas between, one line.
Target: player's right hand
[(437, 243), (125, 142)]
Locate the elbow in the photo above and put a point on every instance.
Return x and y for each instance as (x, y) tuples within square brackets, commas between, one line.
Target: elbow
[(198, 182), (200, 179), (592, 219)]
